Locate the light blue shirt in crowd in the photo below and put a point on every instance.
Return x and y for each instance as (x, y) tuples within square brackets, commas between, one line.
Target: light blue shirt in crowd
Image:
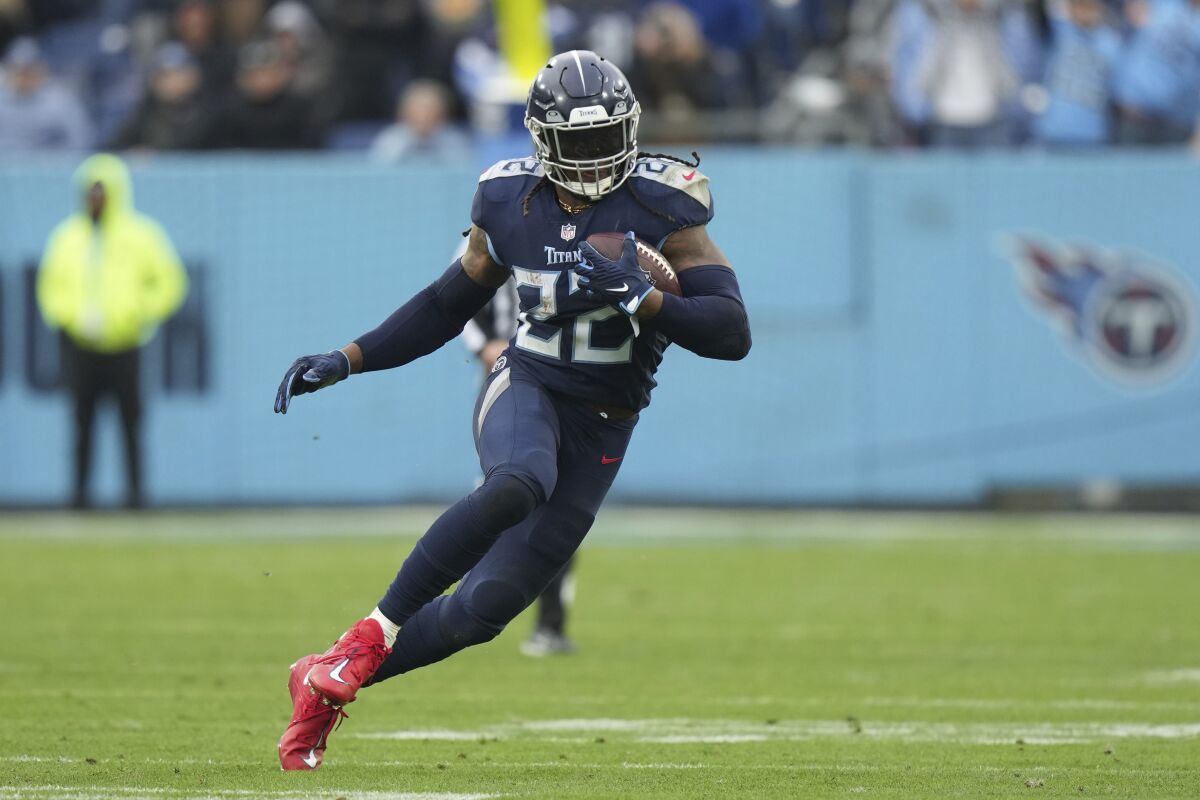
[(50, 118), (397, 143), (1160, 71), (1079, 79)]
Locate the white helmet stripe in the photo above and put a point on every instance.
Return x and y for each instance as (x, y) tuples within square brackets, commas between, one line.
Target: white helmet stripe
[(579, 66)]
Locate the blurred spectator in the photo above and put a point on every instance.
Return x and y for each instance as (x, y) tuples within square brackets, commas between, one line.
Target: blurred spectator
[(175, 114), (108, 279), (265, 113), (300, 39), (450, 22), (867, 72), (726, 24), (1158, 81), (14, 20), (608, 31), (1083, 56), (240, 20), (958, 67), (733, 31), (422, 131), (966, 73), (673, 72), (196, 27), (113, 81), (381, 45), (35, 112), (36, 15)]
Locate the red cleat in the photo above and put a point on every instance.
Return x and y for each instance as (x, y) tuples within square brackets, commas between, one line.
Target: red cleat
[(302, 745), (340, 671)]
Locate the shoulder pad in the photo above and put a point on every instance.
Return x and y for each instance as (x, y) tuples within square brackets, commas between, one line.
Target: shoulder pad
[(507, 180), (513, 168), (681, 190), (673, 175)]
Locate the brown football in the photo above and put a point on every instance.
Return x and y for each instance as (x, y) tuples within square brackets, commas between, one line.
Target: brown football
[(662, 274)]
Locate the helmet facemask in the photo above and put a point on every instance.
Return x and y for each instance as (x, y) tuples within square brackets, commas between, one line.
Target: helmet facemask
[(587, 158)]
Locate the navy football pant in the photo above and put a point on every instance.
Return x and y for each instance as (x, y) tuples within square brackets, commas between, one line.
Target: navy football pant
[(547, 462)]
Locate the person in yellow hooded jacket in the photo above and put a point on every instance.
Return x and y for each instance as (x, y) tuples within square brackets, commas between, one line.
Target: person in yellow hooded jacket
[(109, 277)]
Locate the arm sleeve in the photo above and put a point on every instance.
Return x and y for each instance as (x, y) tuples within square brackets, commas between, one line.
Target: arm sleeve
[(710, 319), (433, 317)]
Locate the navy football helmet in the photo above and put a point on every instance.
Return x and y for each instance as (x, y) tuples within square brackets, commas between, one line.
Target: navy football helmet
[(583, 118)]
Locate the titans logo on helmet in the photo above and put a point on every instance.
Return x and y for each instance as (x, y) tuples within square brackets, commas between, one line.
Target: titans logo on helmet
[(1133, 319)]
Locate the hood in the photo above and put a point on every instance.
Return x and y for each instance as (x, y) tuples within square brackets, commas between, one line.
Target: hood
[(110, 172)]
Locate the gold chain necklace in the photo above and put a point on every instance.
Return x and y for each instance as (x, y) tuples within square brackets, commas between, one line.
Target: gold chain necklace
[(570, 208)]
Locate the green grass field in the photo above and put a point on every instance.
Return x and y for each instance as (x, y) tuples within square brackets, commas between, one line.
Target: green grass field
[(723, 654)]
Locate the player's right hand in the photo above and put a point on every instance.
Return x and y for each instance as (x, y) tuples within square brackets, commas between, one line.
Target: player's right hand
[(310, 373), (621, 283)]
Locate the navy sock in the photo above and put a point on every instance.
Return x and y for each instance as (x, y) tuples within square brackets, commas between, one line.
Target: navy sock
[(455, 543)]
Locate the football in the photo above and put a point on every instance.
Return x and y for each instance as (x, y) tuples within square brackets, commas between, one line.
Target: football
[(662, 274)]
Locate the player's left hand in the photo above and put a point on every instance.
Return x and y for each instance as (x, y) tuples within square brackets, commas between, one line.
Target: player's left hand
[(310, 373), (622, 283)]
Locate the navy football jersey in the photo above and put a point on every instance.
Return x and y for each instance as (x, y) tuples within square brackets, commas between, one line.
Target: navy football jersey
[(571, 343)]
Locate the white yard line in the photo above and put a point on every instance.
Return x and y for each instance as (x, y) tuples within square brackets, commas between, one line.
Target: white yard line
[(713, 738), (1172, 676), (1163, 677), (999, 703), (1086, 703), (625, 526), (694, 731), (418, 735)]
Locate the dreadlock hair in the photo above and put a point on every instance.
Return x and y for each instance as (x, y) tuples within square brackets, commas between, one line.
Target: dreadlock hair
[(544, 181)]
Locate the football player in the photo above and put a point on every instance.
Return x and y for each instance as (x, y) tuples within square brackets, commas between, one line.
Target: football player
[(554, 417)]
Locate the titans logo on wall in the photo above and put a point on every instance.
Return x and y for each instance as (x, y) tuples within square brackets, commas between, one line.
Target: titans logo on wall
[(1132, 319)]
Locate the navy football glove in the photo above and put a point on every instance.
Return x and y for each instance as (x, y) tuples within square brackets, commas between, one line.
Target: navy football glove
[(310, 373), (622, 283)]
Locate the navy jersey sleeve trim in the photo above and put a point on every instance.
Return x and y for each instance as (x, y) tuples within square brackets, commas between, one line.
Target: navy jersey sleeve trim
[(491, 248)]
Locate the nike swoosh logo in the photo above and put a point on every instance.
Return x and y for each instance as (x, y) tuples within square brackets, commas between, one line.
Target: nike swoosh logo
[(336, 674), (690, 175), (607, 460), (622, 289), (311, 759)]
